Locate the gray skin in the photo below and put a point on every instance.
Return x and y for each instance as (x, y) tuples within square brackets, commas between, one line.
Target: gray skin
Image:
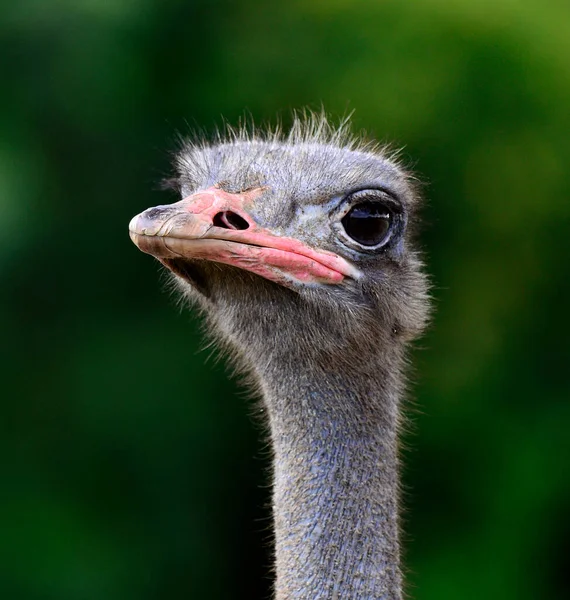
[(327, 360)]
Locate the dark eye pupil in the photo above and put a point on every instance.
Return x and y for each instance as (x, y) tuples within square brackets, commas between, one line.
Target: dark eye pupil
[(367, 223)]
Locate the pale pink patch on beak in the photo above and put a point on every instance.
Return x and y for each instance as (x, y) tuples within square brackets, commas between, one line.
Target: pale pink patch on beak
[(215, 225)]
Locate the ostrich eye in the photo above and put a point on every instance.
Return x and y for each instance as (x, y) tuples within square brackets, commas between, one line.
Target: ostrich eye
[(368, 223)]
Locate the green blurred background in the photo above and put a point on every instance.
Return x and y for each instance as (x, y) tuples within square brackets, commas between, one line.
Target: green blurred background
[(130, 468)]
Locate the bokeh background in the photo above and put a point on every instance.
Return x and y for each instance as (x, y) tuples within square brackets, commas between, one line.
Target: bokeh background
[(129, 467)]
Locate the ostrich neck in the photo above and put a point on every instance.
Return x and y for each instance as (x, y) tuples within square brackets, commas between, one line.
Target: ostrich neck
[(335, 496)]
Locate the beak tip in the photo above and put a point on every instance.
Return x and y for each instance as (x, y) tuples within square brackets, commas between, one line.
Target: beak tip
[(133, 224)]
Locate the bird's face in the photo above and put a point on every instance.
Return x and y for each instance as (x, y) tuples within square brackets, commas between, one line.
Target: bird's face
[(308, 224)]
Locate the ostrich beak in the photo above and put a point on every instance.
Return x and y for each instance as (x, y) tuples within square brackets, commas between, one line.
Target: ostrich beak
[(215, 225)]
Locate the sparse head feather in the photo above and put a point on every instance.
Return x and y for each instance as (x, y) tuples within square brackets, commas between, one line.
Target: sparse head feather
[(312, 141)]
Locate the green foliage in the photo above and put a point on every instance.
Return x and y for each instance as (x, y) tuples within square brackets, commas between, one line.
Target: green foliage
[(127, 458)]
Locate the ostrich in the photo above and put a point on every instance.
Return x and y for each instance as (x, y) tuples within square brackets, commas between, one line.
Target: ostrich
[(298, 249)]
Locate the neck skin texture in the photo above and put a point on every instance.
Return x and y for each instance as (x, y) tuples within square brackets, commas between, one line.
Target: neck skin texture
[(335, 495)]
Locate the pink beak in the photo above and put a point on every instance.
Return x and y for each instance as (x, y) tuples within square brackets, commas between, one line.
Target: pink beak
[(215, 225)]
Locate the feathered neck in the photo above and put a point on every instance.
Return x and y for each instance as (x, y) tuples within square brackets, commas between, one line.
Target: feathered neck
[(335, 496)]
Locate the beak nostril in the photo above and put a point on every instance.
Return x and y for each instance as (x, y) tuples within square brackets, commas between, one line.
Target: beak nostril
[(230, 220)]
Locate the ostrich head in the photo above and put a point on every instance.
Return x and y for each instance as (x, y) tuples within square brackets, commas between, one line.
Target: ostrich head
[(296, 243)]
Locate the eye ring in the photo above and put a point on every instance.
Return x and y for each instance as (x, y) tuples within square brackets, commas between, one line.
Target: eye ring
[(367, 220)]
